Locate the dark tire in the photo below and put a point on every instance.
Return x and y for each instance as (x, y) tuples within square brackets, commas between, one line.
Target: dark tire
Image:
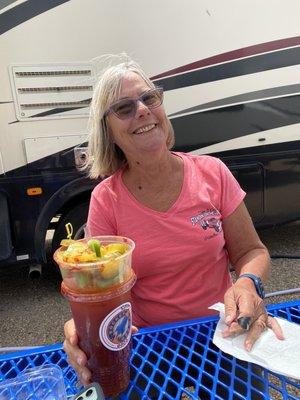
[(77, 216)]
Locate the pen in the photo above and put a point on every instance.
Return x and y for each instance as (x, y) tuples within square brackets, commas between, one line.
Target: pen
[(244, 322)]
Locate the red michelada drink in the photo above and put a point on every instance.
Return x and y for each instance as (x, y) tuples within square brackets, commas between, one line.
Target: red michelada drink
[(97, 281)]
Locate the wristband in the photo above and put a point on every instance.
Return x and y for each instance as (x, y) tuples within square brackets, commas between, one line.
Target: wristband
[(257, 283)]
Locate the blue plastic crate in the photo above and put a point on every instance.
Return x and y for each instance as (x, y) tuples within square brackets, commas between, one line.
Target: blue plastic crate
[(176, 361)]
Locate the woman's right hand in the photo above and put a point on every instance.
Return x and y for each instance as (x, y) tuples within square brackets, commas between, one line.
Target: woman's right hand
[(76, 357)]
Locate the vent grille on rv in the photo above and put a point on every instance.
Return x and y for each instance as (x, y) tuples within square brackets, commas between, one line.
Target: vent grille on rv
[(52, 91)]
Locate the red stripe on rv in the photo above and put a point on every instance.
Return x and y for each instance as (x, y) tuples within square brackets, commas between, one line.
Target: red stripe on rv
[(232, 55)]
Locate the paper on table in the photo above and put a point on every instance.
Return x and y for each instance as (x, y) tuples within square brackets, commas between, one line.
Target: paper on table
[(280, 356)]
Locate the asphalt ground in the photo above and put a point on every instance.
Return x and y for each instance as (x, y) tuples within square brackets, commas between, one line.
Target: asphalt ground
[(33, 312)]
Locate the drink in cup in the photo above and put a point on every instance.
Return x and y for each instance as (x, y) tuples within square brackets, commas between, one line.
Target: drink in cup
[(97, 279)]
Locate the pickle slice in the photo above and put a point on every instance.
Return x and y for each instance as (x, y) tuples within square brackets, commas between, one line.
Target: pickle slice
[(95, 245)]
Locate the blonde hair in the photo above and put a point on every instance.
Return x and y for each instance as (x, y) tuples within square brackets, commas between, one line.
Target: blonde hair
[(105, 157)]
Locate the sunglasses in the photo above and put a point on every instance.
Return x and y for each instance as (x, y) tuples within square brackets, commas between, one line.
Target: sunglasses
[(126, 108)]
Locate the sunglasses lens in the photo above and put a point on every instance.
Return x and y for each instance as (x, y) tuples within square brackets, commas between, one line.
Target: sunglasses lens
[(152, 98), (127, 108), (124, 108)]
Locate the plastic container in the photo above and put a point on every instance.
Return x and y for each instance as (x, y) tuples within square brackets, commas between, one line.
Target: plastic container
[(103, 323), (92, 277), (40, 383), (99, 295)]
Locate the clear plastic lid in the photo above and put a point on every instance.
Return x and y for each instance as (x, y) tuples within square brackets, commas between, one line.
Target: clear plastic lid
[(40, 383)]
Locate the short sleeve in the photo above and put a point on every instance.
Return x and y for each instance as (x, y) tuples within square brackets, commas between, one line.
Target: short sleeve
[(232, 194), (100, 216)]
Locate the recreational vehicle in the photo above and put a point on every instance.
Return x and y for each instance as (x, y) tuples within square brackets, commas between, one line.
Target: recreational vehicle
[(231, 78)]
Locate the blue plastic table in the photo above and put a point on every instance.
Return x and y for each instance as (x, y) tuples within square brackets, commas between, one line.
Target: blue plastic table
[(176, 361)]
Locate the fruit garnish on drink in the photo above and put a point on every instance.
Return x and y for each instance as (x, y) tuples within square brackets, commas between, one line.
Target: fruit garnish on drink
[(84, 252), (79, 252), (90, 265), (96, 265)]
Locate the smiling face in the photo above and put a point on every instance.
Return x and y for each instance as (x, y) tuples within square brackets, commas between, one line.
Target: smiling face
[(146, 132)]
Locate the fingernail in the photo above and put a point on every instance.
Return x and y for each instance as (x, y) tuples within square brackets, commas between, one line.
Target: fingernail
[(228, 319), (244, 322), (248, 346), (79, 361), (85, 376)]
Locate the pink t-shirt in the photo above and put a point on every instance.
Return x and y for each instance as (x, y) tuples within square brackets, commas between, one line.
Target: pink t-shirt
[(180, 257)]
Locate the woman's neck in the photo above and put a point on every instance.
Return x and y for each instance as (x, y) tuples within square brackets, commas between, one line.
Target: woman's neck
[(152, 171)]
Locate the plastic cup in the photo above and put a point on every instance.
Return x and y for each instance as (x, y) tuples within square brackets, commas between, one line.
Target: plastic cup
[(95, 277), (100, 303)]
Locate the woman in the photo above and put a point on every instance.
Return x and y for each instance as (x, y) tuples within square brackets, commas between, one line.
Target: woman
[(185, 213)]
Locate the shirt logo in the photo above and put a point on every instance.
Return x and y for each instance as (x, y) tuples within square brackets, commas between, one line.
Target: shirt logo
[(115, 329), (208, 220)]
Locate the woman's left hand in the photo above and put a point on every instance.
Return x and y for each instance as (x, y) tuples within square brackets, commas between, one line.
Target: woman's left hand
[(242, 301)]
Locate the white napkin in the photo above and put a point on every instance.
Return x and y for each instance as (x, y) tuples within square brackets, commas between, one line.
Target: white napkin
[(280, 356)]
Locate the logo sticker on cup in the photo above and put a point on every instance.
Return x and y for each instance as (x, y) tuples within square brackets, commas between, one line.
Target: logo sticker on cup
[(115, 329)]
